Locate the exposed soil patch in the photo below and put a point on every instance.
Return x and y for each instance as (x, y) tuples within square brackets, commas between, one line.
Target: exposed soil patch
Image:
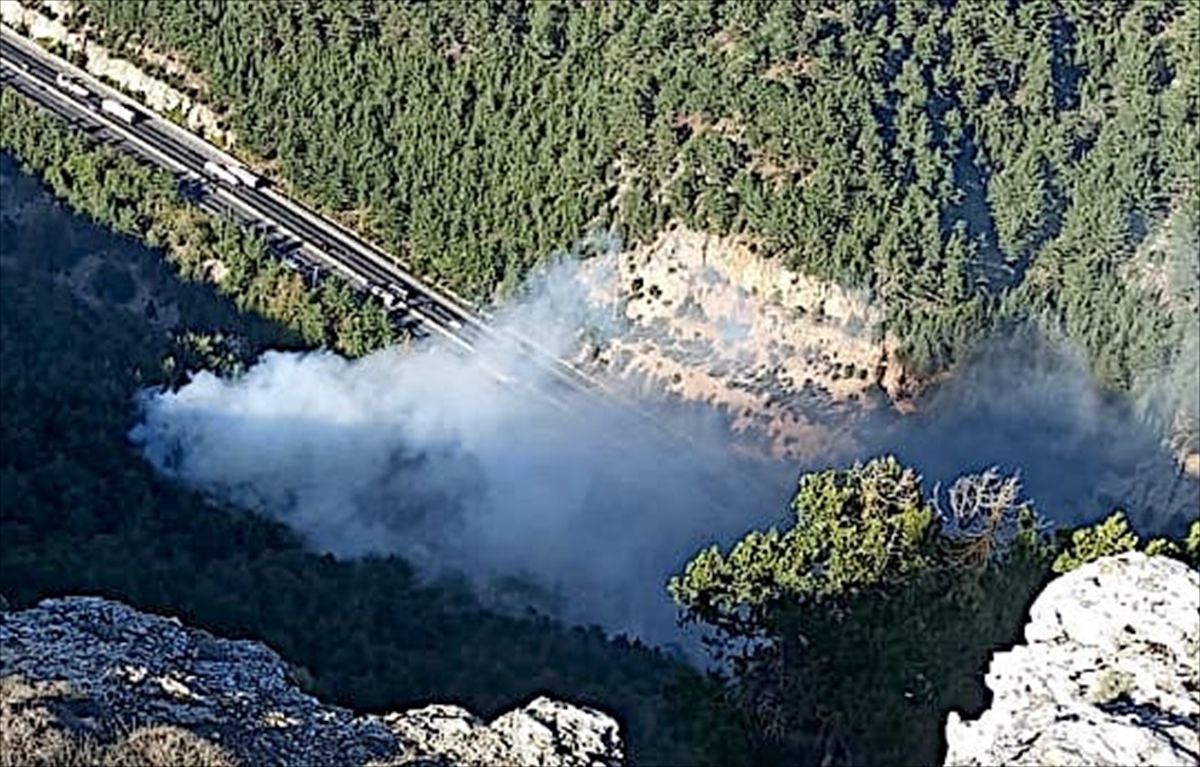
[(784, 356)]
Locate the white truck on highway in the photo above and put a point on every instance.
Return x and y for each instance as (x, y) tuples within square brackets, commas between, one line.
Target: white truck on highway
[(251, 180), (234, 175), (220, 173), (119, 111)]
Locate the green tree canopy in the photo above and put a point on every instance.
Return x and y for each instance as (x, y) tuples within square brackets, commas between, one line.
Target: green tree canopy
[(849, 634)]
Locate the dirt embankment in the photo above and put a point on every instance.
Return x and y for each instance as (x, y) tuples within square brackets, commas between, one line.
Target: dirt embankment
[(50, 23), (782, 355)]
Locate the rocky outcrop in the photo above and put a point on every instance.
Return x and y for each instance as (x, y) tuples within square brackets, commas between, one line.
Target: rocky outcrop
[(1109, 674), (101, 669), (544, 732)]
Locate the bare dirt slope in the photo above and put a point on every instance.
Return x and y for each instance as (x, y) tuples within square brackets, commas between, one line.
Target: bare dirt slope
[(781, 355)]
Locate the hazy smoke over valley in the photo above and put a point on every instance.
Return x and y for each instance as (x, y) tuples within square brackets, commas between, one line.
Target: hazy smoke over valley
[(1028, 403), (427, 455)]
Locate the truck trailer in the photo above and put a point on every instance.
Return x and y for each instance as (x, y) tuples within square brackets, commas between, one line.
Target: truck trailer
[(119, 111), (251, 180)]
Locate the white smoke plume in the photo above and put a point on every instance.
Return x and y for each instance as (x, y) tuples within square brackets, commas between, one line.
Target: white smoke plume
[(425, 454), (1027, 402)]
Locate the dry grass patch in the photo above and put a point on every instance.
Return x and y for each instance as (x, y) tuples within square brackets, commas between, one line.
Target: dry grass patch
[(32, 736), (29, 735)]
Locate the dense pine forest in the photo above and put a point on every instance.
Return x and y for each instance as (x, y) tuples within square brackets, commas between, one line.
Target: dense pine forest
[(969, 162)]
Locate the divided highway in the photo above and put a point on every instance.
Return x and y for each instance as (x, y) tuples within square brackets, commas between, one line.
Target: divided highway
[(227, 186), (208, 175), (325, 245)]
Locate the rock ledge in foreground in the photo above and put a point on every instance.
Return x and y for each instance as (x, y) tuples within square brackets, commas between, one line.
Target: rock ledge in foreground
[(94, 669), (1109, 674)]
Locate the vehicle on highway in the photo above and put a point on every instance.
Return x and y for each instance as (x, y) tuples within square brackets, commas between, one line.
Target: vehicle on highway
[(119, 111), (71, 85), (219, 173), (252, 180), (381, 292), (234, 175)]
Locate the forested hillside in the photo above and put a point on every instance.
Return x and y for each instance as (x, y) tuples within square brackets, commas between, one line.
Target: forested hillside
[(145, 202), (897, 607), (81, 512), (969, 161)]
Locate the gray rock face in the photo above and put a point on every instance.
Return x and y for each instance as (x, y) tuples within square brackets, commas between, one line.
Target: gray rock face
[(1110, 674), (127, 668)]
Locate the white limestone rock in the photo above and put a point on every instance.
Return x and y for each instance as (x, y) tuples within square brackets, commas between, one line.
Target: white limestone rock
[(122, 666), (545, 732), (1109, 674)]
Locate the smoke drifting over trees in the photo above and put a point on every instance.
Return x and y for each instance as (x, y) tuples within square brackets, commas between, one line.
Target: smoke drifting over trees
[(1028, 403), (426, 454)]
